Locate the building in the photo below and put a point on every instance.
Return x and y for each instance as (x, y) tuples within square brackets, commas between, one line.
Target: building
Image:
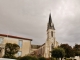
[(24, 43), (45, 49), (34, 49), (51, 39)]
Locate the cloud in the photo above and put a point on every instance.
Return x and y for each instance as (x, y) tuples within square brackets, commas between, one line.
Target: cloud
[(29, 19)]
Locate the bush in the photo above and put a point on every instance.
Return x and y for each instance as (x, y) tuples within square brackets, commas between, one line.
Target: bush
[(35, 58), (9, 56), (68, 59), (42, 58), (27, 58), (11, 50), (53, 58)]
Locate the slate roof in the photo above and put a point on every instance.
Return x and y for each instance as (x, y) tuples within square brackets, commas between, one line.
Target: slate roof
[(50, 23)]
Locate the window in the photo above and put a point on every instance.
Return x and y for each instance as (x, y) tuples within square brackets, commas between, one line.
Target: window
[(52, 46), (52, 33), (20, 43), (1, 40), (19, 53)]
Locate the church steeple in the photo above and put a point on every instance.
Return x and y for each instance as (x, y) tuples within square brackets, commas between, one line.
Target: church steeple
[(50, 24)]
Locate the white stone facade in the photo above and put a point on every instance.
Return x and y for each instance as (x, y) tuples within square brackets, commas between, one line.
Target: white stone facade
[(46, 48), (51, 41)]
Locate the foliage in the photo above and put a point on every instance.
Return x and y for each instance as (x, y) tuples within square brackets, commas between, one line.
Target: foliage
[(11, 50), (77, 50), (27, 58), (58, 53), (52, 58), (42, 58), (9, 56), (68, 59), (68, 50)]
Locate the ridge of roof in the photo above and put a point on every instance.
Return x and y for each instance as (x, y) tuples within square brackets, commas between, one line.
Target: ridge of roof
[(6, 35)]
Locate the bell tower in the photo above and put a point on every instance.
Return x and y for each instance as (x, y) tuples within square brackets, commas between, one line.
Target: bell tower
[(50, 28), (50, 42)]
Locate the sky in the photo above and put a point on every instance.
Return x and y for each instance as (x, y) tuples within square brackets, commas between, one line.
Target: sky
[(29, 18)]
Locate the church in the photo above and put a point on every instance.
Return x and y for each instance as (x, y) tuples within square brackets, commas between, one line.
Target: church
[(45, 49), (26, 48)]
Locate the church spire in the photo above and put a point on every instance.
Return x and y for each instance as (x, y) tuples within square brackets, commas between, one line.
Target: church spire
[(50, 24)]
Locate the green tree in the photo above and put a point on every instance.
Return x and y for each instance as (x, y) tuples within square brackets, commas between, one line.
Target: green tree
[(58, 53), (11, 50), (77, 50), (68, 50)]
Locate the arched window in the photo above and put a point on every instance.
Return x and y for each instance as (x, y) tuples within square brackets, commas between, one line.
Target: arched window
[(52, 33)]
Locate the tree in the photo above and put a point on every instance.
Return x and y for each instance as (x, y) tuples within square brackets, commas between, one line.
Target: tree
[(68, 50), (58, 53), (11, 50), (77, 50)]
